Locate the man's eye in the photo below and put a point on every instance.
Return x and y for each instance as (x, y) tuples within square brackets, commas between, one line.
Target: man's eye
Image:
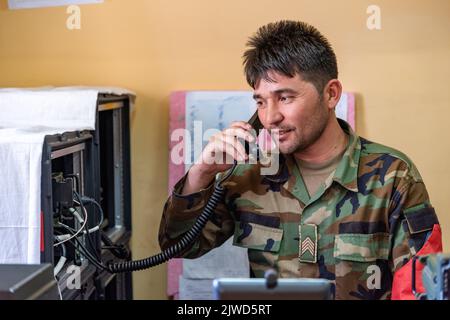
[(259, 104), (287, 99)]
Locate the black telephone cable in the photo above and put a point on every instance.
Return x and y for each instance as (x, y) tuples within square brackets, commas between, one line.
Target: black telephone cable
[(189, 237)]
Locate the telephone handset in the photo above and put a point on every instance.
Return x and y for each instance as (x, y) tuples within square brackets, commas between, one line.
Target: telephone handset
[(192, 234), (255, 122), (252, 149)]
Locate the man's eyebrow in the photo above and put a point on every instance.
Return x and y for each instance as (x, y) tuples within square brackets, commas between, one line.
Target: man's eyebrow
[(256, 96), (285, 90), (278, 91)]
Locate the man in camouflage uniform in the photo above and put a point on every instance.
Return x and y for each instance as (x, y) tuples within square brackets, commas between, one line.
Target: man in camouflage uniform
[(340, 207)]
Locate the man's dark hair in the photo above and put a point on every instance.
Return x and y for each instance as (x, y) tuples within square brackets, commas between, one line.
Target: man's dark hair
[(290, 47)]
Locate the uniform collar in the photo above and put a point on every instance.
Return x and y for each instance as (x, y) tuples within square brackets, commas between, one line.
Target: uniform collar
[(346, 173)]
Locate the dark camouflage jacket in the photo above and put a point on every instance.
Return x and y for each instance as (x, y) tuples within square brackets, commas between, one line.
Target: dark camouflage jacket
[(366, 221)]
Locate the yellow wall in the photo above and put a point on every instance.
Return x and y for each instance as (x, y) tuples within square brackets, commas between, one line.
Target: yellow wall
[(157, 46)]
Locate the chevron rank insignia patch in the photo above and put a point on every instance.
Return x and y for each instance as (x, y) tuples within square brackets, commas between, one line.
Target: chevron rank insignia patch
[(308, 243)]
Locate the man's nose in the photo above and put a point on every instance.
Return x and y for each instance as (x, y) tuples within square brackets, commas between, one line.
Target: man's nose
[(273, 115)]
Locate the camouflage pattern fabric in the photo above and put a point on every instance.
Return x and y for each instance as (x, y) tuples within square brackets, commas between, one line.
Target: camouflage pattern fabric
[(367, 219)]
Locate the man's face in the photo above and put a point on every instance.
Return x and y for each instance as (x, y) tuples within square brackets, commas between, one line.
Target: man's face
[(292, 110)]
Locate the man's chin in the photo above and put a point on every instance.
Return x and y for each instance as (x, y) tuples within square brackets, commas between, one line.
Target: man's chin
[(289, 149)]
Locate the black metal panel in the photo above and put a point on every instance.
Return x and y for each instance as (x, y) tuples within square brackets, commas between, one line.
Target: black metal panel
[(103, 181)]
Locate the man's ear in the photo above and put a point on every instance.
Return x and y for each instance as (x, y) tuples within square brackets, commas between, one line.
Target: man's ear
[(332, 93)]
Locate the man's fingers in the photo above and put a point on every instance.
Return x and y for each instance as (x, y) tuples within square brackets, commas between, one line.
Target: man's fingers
[(227, 153), (241, 133), (228, 142), (241, 124), (233, 141)]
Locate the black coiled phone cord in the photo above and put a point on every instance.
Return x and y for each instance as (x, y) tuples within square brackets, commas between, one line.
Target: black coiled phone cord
[(189, 237)]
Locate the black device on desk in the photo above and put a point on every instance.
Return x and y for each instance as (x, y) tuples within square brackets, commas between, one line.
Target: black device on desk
[(256, 289), (28, 282), (271, 288)]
